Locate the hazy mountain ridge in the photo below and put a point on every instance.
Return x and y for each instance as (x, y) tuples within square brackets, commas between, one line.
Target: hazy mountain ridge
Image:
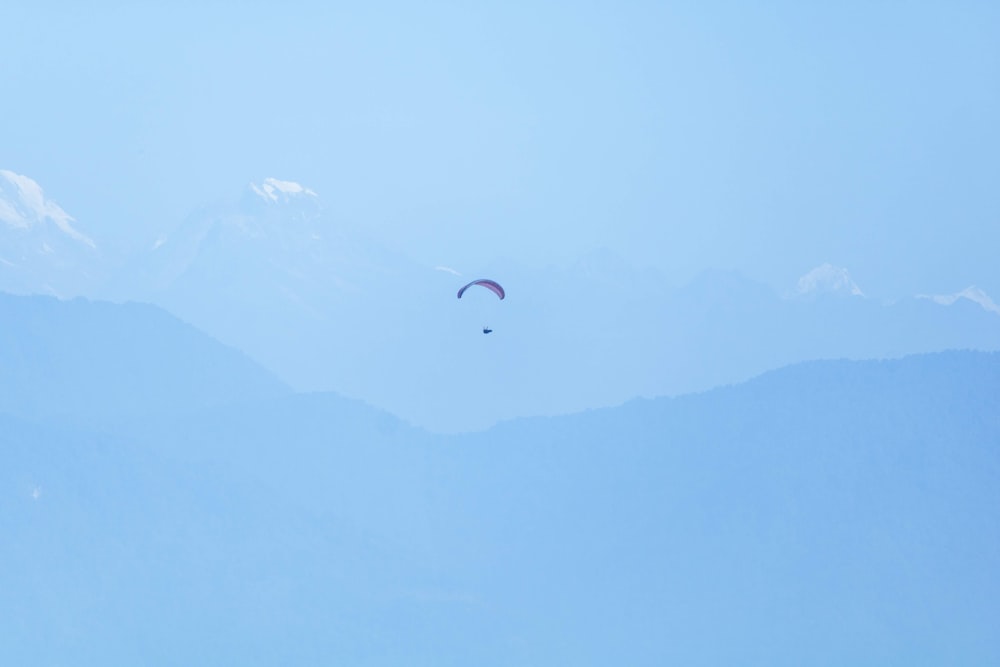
[(818, 506), (94, 360), (318, 301), (830, 503)]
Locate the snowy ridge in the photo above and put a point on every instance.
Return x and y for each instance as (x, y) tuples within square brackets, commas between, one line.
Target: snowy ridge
[(274, 191), (828, 279), (971, 293), (23, 205)]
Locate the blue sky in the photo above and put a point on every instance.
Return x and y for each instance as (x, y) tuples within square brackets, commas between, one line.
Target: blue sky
[(767, 138)]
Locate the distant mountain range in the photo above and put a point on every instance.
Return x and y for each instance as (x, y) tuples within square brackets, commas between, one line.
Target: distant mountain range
[(327, 308), (831, 512)]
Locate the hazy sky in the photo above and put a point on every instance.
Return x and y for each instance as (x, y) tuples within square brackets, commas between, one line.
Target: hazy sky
[(764, 137)]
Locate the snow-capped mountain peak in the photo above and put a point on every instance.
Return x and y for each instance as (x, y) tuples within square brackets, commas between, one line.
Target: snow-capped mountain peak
[(274, 191), (828, 279), (971, 293), (41, 250), (23, 205)]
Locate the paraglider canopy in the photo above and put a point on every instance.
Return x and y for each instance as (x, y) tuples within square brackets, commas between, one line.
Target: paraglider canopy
[(491, 285)]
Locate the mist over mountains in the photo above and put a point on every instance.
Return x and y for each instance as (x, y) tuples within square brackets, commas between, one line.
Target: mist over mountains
[(328, 307), (170, 494), (829, 512), (737, 403)]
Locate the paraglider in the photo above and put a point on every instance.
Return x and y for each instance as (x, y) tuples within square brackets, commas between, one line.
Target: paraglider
[(492, 286)]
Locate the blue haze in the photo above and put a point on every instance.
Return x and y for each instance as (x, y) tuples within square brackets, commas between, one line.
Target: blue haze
[(740, 407), (826, 513)]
